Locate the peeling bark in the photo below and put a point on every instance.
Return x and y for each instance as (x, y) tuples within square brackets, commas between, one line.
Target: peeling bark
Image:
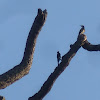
[(23, 68), (59, 69)]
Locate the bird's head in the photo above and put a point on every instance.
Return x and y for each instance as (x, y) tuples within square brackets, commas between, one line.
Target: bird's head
[(82, 26), (57, 51)]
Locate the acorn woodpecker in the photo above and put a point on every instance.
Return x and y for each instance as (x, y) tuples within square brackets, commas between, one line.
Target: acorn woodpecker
[(58, 57), (82, 30)]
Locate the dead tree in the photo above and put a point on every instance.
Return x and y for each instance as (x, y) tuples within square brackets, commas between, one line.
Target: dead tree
[(23, 68)]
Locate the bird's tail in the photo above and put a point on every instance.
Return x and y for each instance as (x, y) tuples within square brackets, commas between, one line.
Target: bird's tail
[(61, 59), (58, 64)]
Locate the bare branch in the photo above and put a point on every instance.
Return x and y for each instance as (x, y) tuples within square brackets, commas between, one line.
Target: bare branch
[(59, 69), (90, 47), (23, 68)]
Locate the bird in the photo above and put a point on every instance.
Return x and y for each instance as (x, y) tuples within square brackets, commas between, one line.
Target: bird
[(58, 57), (82, 30)]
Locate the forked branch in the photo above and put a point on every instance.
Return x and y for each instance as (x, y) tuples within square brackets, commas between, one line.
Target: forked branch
[(59, 69), (23, 68)]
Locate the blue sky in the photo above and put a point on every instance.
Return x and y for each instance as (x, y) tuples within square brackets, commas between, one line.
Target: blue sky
[(81, 79)]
